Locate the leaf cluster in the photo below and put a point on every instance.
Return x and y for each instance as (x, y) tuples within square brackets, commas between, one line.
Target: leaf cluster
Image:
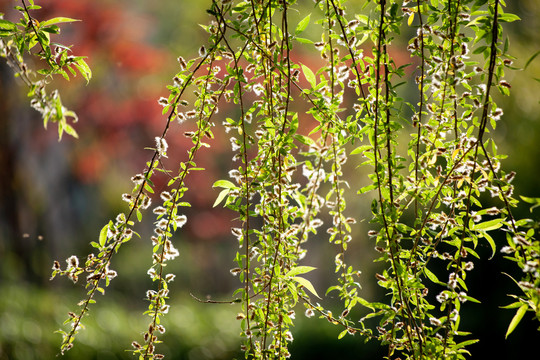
[(427, 194), (32, 37)]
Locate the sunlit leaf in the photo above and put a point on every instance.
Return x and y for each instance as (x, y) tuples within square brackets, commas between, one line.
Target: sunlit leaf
[(300, 270), (226, 184), (310, 77), (306, 284), (57, 20), (222, 195), (103, 235), (516, 319), (302, 25), (507, 17), (7, 25), (488, 225), (431, 276), (410, 19)]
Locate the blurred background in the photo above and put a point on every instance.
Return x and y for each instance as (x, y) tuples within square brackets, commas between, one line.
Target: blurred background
[(56, 196)]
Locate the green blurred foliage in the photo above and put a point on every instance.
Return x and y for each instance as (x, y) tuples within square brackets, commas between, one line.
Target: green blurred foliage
[(29, 315)]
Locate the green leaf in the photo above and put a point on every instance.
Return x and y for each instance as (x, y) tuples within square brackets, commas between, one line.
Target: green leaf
[(306, 140), (53, 29), (84, 69), (480, 49), (306, 284), (7, 25), (364, 303), (492, 244), (226, 184), (103, 235), (531, 59), (299, 270), (431, 276), (147, 187), (310, 77), (478, 20), (303, 40), (470, 298), (516, 319), (488, 225), (465, 343), (508, 17), (534, 201), (342, 334), (222, 195), (302, 25), (367, 188), (57, 20), (293, 292), (70, 130), (513, 305), (360, 149)]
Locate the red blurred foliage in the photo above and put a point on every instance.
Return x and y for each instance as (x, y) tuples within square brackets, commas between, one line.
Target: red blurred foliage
[(116, 116), (110, 31), (118, 111)]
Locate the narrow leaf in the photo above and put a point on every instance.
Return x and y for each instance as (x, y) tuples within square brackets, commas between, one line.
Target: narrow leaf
[(293, 291), (488, 225), (71, 131), (411, 19), (531, 59), (431, 276), (508, 17), (84, 69), (226, 184), (303, 40), (492, 244), (7, 25), (306, 140), (365, 189), (222, 195), (300, 270), (148, 188), (465, 343), (57, 20), (516, 319), (103, 235), (360, 149), (513, 305), (302, 25), (310, 77), (306, 284), (530, 200)]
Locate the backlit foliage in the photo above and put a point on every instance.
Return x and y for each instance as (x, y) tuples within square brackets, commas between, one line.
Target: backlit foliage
[(422, 131)]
